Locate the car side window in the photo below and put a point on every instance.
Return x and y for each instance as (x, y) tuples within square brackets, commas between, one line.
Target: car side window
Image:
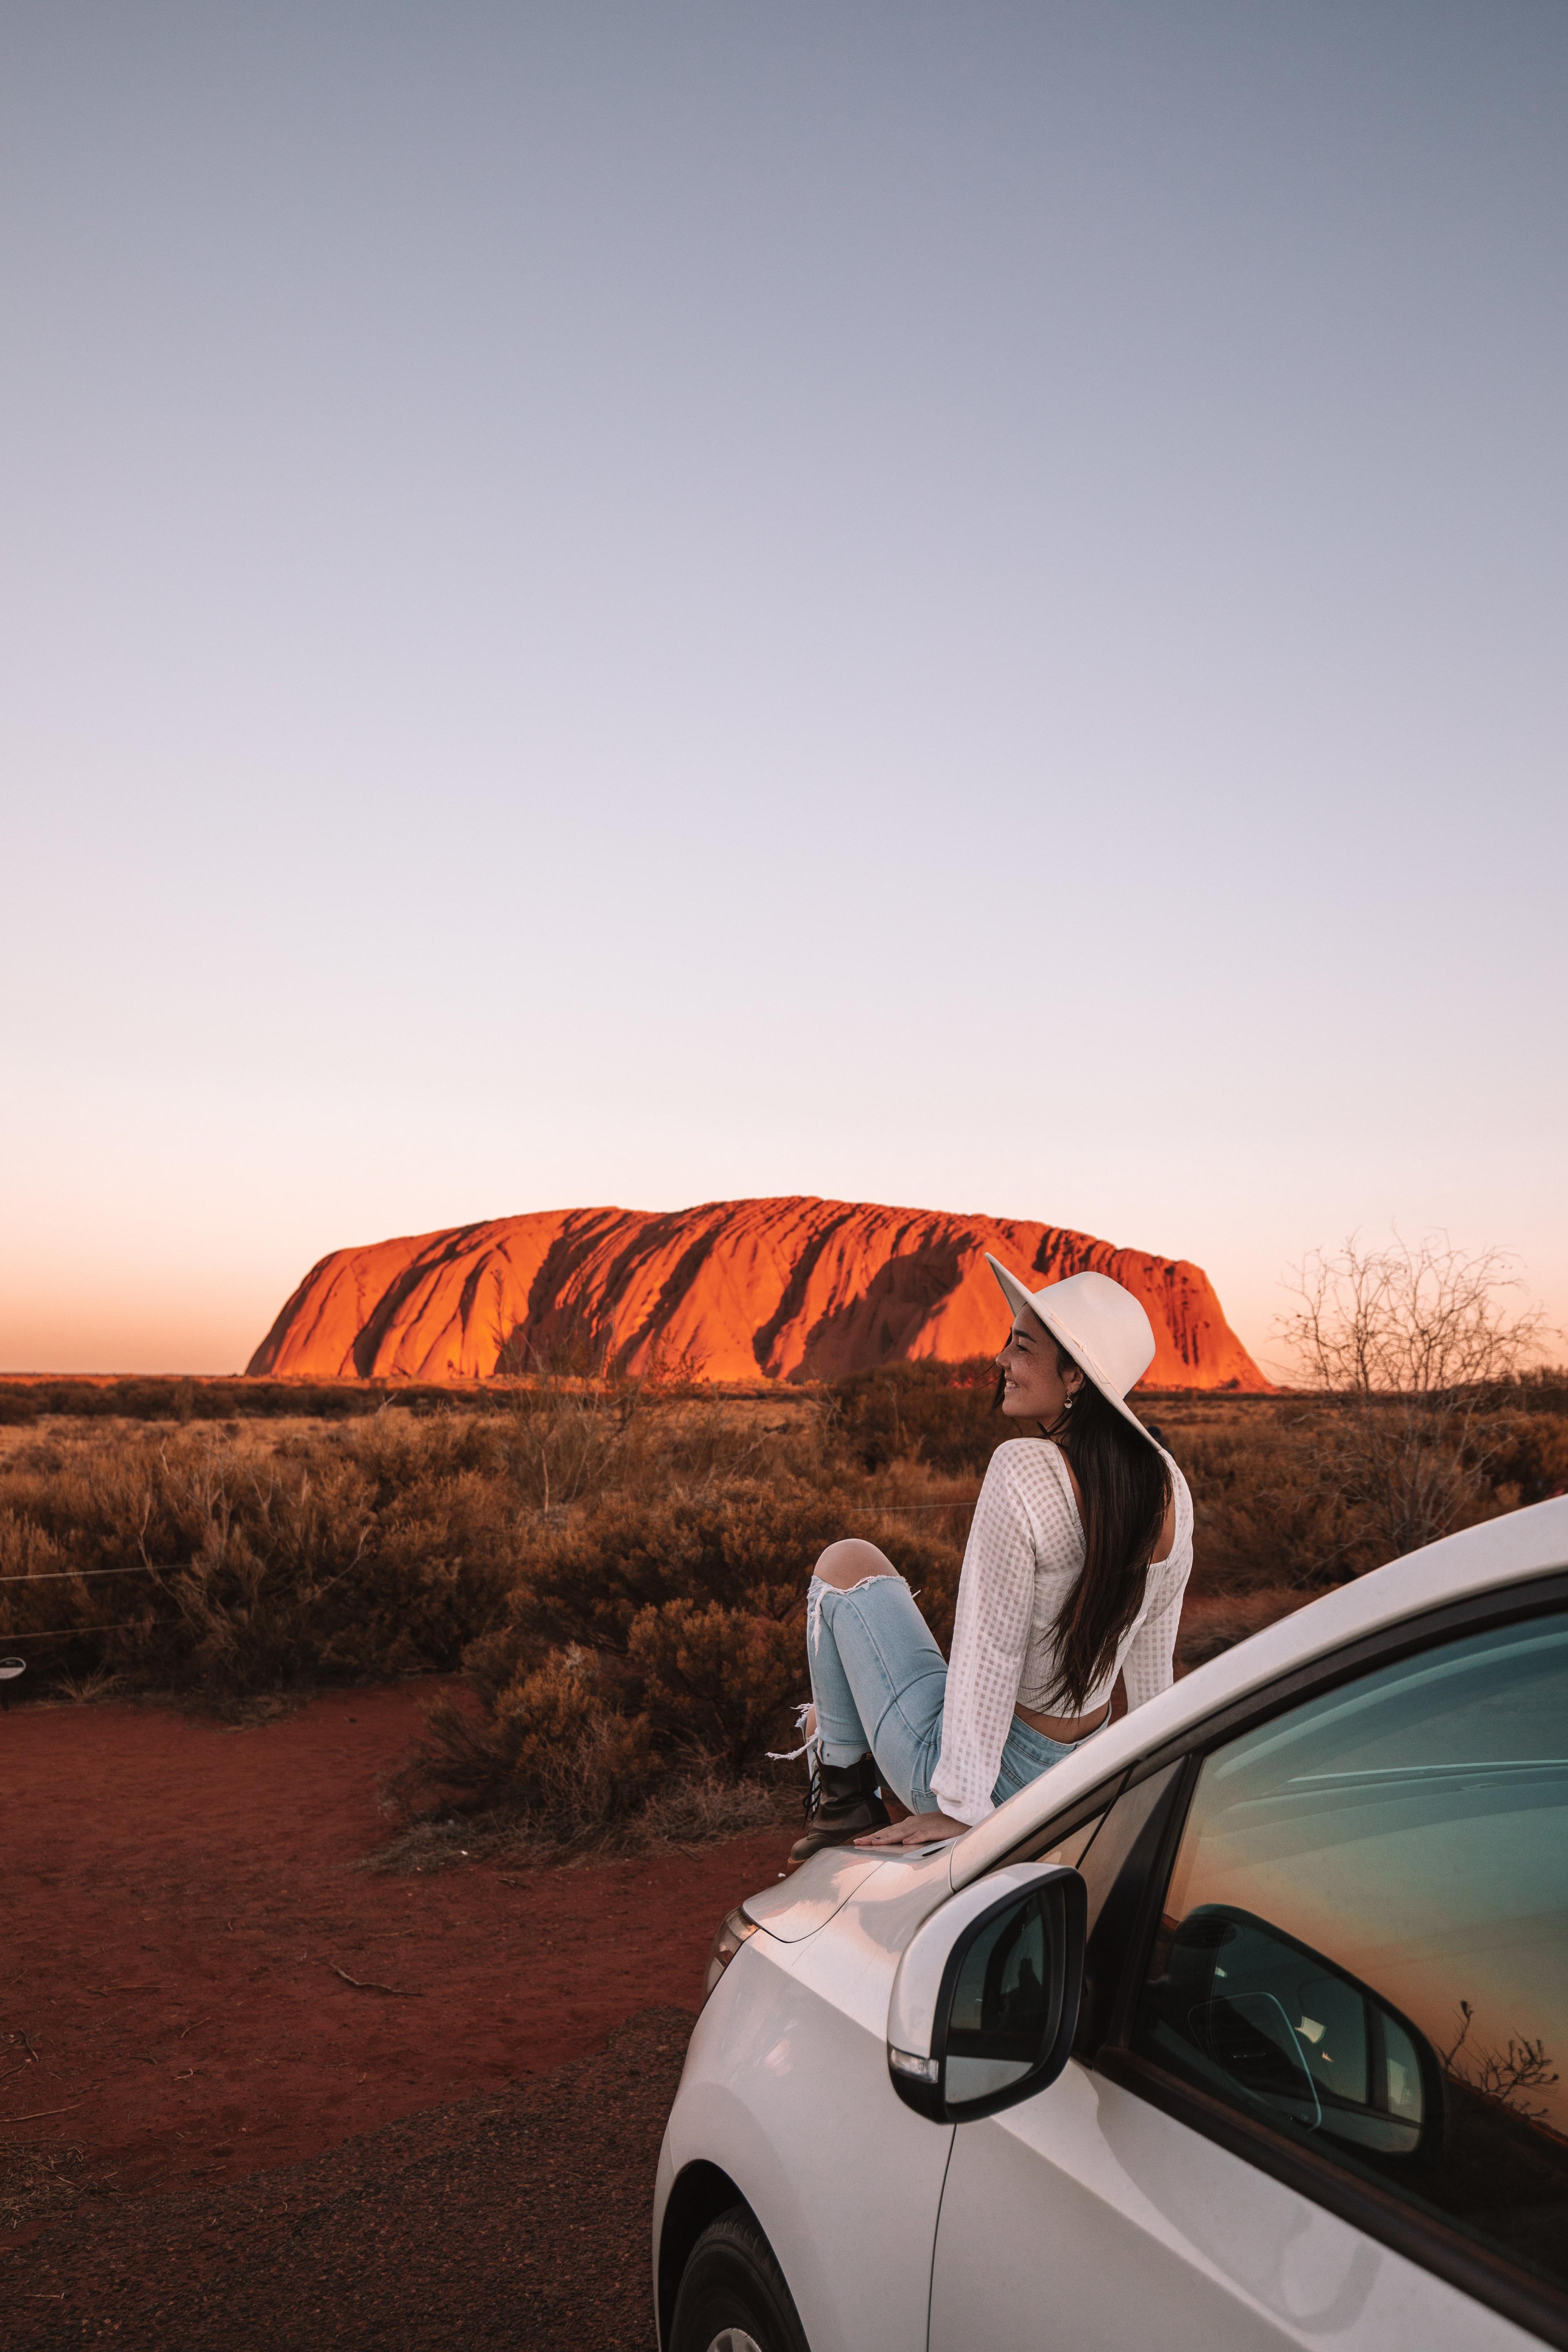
[(1364, 1940)]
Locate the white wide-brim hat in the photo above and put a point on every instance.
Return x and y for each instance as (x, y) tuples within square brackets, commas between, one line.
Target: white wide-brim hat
[(1099, 1323)]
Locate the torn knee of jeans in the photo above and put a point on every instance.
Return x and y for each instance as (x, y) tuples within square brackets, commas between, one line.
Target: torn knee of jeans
[(877, 1576)]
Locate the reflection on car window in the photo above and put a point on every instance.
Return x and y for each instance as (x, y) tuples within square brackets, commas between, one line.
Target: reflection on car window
[(1071, 1850), (1364, 1940)]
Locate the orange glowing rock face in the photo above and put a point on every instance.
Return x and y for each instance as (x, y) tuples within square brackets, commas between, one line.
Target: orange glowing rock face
[(735, 1290)]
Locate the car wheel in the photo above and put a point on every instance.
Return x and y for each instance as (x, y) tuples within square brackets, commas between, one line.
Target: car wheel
[(732, 2294)]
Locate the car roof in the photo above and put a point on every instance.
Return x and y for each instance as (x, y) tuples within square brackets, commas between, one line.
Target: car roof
[(1508, 1551)]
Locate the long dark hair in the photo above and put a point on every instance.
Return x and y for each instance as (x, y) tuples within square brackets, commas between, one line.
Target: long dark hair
[(1126, 1491)]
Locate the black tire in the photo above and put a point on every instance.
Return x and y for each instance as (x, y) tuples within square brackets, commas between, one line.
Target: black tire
[(733, 2287)]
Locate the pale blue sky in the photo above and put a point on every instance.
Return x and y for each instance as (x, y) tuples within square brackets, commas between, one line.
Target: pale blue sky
[(953, 605)]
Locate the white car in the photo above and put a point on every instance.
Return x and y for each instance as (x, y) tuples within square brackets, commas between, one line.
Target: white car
[(1246, 2027)]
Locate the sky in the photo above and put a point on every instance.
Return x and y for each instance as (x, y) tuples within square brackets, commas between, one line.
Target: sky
[(955, 605)]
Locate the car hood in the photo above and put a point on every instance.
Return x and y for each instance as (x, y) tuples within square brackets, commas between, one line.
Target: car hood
[(804, 1902), (798, 1905)]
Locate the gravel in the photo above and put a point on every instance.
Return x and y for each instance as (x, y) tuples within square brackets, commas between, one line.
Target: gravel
[(520, 2218)]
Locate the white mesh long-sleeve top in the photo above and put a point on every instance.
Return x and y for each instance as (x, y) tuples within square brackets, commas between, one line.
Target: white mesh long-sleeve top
[(1025, 1554)]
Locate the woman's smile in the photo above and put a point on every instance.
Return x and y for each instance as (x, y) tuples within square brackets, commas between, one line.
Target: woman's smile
[(1033, 1385)]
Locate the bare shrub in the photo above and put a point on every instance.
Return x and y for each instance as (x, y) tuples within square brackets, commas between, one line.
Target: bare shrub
[(1511, 2076), (1411, 1345)]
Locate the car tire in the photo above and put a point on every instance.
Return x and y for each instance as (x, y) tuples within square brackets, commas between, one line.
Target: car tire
[(732, 2294)]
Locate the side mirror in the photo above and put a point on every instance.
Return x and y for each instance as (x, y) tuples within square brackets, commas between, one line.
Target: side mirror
[(985, 2000)]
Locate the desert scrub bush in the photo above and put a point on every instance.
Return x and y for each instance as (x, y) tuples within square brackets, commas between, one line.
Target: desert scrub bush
[(1411, 1348), (1268, 1511), (173, 1560), (547, 1751), (696, 1602), (692, 1610), (1528, 1458), (552, 1769), (940, 1415)]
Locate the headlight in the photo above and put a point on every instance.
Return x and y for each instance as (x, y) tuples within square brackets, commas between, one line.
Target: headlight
[(726, 1944)]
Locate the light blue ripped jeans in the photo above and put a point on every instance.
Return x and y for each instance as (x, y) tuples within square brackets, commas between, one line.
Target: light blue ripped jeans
[(878, 1682)]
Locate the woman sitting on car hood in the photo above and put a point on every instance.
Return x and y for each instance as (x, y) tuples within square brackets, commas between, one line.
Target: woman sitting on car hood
[(1076, 1560)]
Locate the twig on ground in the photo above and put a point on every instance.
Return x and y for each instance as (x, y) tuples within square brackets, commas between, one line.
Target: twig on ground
[(360, 1985), (39, 2112)]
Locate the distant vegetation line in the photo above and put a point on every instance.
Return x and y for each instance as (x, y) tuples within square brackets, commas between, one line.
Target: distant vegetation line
[(179, 1398)]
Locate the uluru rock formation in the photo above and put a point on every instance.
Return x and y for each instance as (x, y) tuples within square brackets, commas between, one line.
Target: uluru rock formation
[(782, 1289)]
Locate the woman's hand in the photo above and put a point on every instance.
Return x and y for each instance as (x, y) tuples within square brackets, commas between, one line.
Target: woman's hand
[(915, 1829)]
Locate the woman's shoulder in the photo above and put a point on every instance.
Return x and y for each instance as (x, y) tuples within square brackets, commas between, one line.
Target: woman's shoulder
[(1023, 1456), (1029, 1467)]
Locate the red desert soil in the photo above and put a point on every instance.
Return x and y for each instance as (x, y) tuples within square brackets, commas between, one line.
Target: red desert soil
[(179, 1901)]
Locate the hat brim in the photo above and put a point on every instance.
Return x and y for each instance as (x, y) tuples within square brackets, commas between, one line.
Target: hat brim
[(1017, 1295)]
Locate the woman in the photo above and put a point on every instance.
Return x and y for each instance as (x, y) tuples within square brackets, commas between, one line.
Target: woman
[(1076, 1560)]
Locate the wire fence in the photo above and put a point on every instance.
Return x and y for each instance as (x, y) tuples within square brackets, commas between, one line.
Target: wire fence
[(67, 1633), (70, 1575)]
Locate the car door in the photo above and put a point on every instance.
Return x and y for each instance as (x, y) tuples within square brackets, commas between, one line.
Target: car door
[(1320, 2094)]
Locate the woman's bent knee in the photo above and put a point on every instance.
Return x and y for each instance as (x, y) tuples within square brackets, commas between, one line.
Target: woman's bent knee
[(851, 1560)]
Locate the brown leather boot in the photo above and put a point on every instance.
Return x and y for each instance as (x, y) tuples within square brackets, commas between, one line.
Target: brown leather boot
[(841, 1803)]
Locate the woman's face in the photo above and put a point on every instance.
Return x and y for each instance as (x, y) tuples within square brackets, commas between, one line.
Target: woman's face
[(1032, 1388)]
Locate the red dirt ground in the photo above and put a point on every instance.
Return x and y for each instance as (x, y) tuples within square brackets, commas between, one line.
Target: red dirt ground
[(179, 1898)]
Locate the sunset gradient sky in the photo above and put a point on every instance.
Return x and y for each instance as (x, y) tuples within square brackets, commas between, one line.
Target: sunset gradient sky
[(960, 605)]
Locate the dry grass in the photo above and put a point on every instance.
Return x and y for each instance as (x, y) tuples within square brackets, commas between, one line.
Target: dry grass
[(619, 1578), (687, 1809)]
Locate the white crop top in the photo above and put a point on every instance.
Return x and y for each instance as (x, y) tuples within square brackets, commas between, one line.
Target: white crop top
[(1025, 1554)]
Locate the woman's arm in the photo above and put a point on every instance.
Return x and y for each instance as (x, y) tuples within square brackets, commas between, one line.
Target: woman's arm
[(1148, 1665), (990, 1634), (1149, 1668)]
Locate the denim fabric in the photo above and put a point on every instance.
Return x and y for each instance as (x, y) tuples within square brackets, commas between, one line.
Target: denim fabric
[(878, 1682)]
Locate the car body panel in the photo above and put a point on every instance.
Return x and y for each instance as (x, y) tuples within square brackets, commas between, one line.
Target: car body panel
[(798, 1905), (1085, 2202), (847, 2191)]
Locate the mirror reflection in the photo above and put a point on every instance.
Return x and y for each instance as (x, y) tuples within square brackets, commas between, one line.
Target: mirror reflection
[(1002, 2021)]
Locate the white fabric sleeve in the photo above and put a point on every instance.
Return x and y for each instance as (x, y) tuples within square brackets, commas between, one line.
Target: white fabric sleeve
[(1148, 1667), (990, 1636)]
